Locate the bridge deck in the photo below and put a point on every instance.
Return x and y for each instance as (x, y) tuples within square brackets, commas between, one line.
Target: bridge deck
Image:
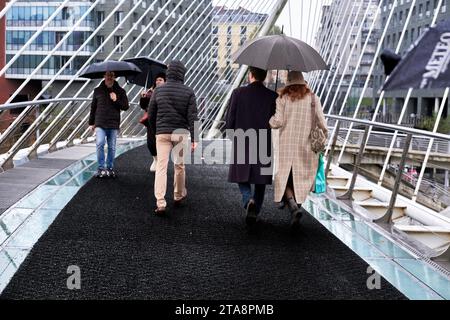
[(199, 251)]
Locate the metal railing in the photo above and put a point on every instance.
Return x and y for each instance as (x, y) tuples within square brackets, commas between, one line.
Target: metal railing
[(410, 133), (384, 139), (35, 104)]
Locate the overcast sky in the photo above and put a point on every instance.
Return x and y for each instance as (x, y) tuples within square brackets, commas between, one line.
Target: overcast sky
[(304, 14)]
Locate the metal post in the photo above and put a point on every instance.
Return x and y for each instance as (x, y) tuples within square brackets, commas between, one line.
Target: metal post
[(349, 194), (387, 217)]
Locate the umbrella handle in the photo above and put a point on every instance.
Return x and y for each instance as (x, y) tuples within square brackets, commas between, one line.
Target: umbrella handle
[(146, 81)]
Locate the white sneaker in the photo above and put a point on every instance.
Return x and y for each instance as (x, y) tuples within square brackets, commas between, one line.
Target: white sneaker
[(153, 166)]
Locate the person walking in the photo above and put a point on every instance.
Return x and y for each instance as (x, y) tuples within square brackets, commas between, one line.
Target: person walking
[(296, 162), (250, 110), (108, 101), (144, 102), (172, 112)]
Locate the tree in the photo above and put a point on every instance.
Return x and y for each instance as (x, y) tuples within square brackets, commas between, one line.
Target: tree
[(274, 31)]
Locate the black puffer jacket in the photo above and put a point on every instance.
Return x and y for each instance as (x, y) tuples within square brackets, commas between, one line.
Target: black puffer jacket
[(173, 105), (104, 112)]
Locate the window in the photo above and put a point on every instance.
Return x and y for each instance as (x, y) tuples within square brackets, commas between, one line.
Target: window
[(117, 40), (143, 42), (100, 40), (118, 17), (100, 16), (243, 30), (65, 13)]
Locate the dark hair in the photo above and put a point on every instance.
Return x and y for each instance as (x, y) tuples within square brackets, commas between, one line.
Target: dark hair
[(258, 74), (161, 75)]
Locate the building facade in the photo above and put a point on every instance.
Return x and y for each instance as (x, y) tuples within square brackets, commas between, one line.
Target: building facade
[(173, 28), (231, 29), (423, 103), (340, 18)]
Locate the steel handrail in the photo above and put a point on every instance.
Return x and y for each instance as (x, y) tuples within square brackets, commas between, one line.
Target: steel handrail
[(17, 105), (417, 132)]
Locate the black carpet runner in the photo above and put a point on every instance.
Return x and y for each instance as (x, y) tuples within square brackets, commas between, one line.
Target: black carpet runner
[(199, 251)]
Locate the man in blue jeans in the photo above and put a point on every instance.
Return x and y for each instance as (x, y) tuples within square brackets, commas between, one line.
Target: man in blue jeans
[(249, 112), (107, 103)]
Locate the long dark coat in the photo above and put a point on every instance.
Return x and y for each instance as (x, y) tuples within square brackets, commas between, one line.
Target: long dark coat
[(251, 107)]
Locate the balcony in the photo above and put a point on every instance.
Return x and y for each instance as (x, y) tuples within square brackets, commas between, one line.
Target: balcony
[(42, 74), (55, 23), (36, 48)]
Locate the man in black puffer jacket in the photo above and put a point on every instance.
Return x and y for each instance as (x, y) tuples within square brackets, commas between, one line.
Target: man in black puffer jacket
[(108, 101), (172, 112)]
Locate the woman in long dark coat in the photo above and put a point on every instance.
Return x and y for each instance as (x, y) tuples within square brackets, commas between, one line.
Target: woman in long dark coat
[(145, 100)]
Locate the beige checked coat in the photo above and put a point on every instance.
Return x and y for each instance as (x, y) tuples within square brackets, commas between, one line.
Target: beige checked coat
[(292, 148)]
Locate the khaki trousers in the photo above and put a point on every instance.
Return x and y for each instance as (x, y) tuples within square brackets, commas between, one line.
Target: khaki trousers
[(166, 145)]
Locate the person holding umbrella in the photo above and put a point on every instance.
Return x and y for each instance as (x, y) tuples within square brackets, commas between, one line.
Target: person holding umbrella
[(108, 101), (144, 102), (297, 162), (250, 109)]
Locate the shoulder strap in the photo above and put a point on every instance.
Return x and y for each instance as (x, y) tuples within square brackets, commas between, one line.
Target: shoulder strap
[(313, 109)]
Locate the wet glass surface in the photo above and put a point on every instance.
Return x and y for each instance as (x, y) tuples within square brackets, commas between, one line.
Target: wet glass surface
[(412, 277)]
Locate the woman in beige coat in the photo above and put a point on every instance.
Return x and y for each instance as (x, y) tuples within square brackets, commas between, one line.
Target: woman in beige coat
[(296, 163)]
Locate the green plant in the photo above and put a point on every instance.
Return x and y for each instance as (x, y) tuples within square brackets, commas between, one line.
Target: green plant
[(428, 124)]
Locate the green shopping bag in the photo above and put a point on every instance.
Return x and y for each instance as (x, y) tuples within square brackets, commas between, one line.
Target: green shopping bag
[(320, 183)]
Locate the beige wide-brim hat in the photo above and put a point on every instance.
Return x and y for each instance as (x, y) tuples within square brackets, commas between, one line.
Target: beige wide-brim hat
[(295, 77)]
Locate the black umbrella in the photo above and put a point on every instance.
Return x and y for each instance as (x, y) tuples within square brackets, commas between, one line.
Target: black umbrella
[(426, 65), (120, 68), (150, 70), (390, 60)]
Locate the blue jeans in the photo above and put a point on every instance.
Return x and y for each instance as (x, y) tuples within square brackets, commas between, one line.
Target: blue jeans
[(258, 196), (110, 136)]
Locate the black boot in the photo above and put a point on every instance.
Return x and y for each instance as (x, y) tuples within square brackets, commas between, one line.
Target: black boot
[(251, 213), (295, 211)]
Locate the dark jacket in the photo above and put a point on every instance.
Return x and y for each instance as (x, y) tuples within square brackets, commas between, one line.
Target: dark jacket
[(104, 112), (251, 107), (143, 103), (173, 105)]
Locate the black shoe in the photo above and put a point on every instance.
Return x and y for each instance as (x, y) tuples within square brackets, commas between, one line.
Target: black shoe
[(111, 174), (101, 174), (250, 219), (281, 205), (160, 212), (296, 212), (296, 217), (179, 203)]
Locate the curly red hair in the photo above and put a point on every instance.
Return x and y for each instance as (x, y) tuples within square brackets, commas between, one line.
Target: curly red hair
[(295, 92)]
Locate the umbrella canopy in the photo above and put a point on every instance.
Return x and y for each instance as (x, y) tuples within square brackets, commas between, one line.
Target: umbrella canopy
[(280, 52), (150, 70), (426, 65), (120, 68)]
